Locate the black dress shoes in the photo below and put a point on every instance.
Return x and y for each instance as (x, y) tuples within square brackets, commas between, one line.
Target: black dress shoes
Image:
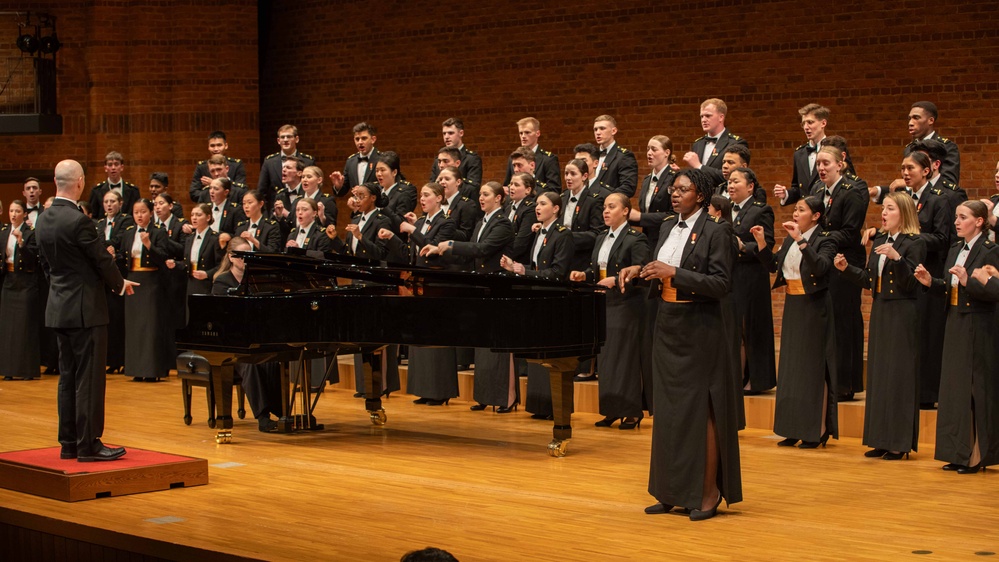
[(952, 466), (478, 407), (787, 442), (103, 453), (875, 453), (658, 509), (358, 395), (67, 452), (630, 424), (606, 422), (701, 515), (969, 469), (266, 425)]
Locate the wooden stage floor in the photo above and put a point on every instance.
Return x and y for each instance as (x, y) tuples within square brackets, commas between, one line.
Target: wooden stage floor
[(480, 485)]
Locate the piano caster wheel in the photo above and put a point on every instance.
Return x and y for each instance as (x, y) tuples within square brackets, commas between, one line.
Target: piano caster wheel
[(557, 448), (211, 423), (223, 436), (187, 420), (378, 417)]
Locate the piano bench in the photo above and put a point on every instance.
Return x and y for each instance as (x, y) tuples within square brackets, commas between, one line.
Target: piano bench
[(194, 370)]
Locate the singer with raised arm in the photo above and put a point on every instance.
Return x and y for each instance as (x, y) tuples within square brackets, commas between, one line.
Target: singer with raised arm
[(79, 267)]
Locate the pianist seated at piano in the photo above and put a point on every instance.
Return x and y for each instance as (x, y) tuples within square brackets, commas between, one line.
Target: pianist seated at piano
[(433, 372), (263, 233), (495, 381), (147, 319), (262, 382), (308, 233), (202, 252), (620, 387), (550, 252), (362, 233)]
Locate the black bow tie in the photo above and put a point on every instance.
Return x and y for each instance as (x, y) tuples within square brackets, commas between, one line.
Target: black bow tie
[(828, 193), (302, 230), (544, 231), (253, 226), (736, 208), (891, 240), (573, 199), (142, 230), (362, 158), (914, 196), (29, 209), (611, 235), (654, 181), (712, 139), (216, 210), (967, 248), (810, 149), (603, 152), (682, 224)]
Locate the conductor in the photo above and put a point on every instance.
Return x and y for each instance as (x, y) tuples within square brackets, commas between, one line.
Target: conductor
[(79, 267)]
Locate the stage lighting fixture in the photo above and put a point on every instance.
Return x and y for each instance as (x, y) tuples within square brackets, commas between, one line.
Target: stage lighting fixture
[(27, 43), (49, 45)]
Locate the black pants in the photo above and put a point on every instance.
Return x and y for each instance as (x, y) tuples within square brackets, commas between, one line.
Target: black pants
[(82, 353)]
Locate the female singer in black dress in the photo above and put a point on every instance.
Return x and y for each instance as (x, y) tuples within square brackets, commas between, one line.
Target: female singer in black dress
[(891, 419), (522, 214), (110, 228), (621, 246), (550, 255), (263, 233), (146, 317), (174, 278), (308, 233), (433, 371), (19, 318), (695, 438), (968, 416), (495, 380), (202, 252), (806, 399)]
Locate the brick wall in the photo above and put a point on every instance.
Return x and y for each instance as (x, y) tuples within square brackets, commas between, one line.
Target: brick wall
[(149, 79), (405, 66)]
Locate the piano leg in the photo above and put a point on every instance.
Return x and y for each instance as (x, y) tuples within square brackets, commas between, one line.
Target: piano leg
[(222, 388), (561, 372), (373, 390), (286, 423)]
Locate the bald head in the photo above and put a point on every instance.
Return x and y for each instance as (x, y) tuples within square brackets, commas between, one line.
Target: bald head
[(69, 179)]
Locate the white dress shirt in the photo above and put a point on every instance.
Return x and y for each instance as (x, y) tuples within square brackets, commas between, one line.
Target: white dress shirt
[(792, 260), (672, 249)]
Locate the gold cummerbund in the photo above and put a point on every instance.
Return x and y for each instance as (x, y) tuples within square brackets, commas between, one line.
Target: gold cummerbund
[(10, 266), (137, 266), (878, 289), (669, 292), (603, 273), (794, 287), (953, 295)]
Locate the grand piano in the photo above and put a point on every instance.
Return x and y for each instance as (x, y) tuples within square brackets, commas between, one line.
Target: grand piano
[(323, 304)]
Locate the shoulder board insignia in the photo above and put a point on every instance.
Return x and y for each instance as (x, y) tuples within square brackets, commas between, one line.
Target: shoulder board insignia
[(236, 160), (241, 223), (758, 203), (731, 136), (232, 204), (304, 155), (851, 175), (469, 151), (936, 191), (594, 195), (716, 219), (825, 233), (669, 217), (326, 195), (270, 221), (913, 236), (988, 242), (949, 185), (130, 227), (623, 149), (801, 147), (269, 156), (529, 203), (200, 162), (944, 140), (632, 231), (463, 198), (239, 184), (546, 152), (846, 185), (100, 184), (562, 228)]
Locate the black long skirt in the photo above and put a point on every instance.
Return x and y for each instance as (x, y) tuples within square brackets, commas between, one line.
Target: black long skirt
[(433, 372), (19, 326), (969, 389), (691, 380), (649, 314), (807, 362), (145, 321), (755, 323), (932, 314), (731, 342), (493, 378), (849, 329), (891, 419), (620, 384)]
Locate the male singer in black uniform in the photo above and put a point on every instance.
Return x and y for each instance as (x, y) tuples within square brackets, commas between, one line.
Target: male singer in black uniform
[(546, 168), (708, 150), (202, 179), (616, 166), (360, 166), (270, 171), (79, 267), (453, 131), (114, 165), (922, 117)]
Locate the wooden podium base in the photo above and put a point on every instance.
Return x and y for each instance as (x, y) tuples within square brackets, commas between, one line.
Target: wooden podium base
[(42, 473)]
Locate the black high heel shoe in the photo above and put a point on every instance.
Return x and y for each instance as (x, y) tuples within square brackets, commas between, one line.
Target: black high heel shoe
[(542, 417), (430, 402), (875, 453), (606, 422), (478, 407), (421, 401), (970, 469), (507, 409), (701, 515), (625, 424), (658, 509), (815, 444), (889, 456), (787, 442)]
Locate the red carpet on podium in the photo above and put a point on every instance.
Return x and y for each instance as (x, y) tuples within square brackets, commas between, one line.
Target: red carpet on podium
[(48, 459)]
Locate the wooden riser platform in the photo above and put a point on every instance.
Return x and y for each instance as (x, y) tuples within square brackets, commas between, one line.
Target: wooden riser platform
[(759, 408)]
